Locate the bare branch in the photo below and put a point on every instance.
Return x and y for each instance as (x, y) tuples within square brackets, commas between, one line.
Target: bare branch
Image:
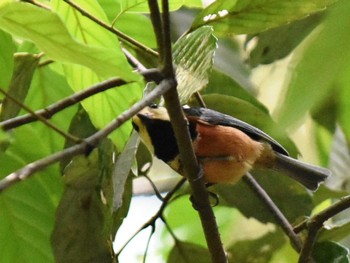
[(277, 214), (123, 37), (86, 145), (52, 109), (42, 119)]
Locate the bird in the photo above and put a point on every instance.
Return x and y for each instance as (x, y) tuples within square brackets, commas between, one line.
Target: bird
[(226, 147)]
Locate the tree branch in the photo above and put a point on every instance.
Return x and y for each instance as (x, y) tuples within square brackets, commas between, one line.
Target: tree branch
[(180, 127), (52, 109), (87, 143), (277, 214), (42, 119), (121, 35)]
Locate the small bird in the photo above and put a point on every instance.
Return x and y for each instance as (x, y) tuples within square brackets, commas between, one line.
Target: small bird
[(227, 148)]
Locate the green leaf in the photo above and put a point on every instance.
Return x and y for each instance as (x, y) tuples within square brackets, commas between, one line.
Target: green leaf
[(82, 228), (321, 65), (25, 65), (291, 198), (103, 107), (258, 250), (336, 233), (279, 42), (249, 17), (193, 56), (50, 34), (222, 84), (325, 252), (7, 48), (185, 252), (27, 209)]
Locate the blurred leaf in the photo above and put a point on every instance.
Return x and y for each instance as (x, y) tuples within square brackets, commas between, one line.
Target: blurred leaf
[(103, 107), (336, 233), (321, 64), (344, 107), (248, 17), (279, 42), (291, 198), (82, 232), (249, 113), (185, 252), (144, 158), (24, 67), (258, 250), (7, 48), (193, 56), (224, 85), (27, 209), (48, 31), (326, 252)]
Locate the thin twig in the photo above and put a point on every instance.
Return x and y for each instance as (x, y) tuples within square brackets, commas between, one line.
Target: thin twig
[(276, 212), (42, 119), (157, 26), (52, 109), (87, 143), (157, 215), (154, 187), (121, 35)]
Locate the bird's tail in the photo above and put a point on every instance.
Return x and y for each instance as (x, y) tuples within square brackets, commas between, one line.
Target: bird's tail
[(308, 175)]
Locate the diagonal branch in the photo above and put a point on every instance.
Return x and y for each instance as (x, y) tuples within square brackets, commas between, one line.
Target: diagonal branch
[(52, 109), (123, 37), (86, 144), (41, 118), (278, 215)]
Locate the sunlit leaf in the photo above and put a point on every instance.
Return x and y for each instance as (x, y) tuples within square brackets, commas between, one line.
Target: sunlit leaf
[(193, 56), (248, 17), (7, 48), (50, 34), (313, 77), (102, 107)]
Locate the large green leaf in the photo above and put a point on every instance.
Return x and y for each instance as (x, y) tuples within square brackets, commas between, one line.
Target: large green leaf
[(193, 56), (27, 209), (103, 107), (7, 48), (83, 223), (279, 42), (50, 34), (248, 17), (323, 62)]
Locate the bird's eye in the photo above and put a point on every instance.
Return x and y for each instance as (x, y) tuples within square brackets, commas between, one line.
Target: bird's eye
[(153, 106)]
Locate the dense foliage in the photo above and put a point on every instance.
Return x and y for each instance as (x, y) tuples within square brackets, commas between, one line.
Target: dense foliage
[(94, 56)]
